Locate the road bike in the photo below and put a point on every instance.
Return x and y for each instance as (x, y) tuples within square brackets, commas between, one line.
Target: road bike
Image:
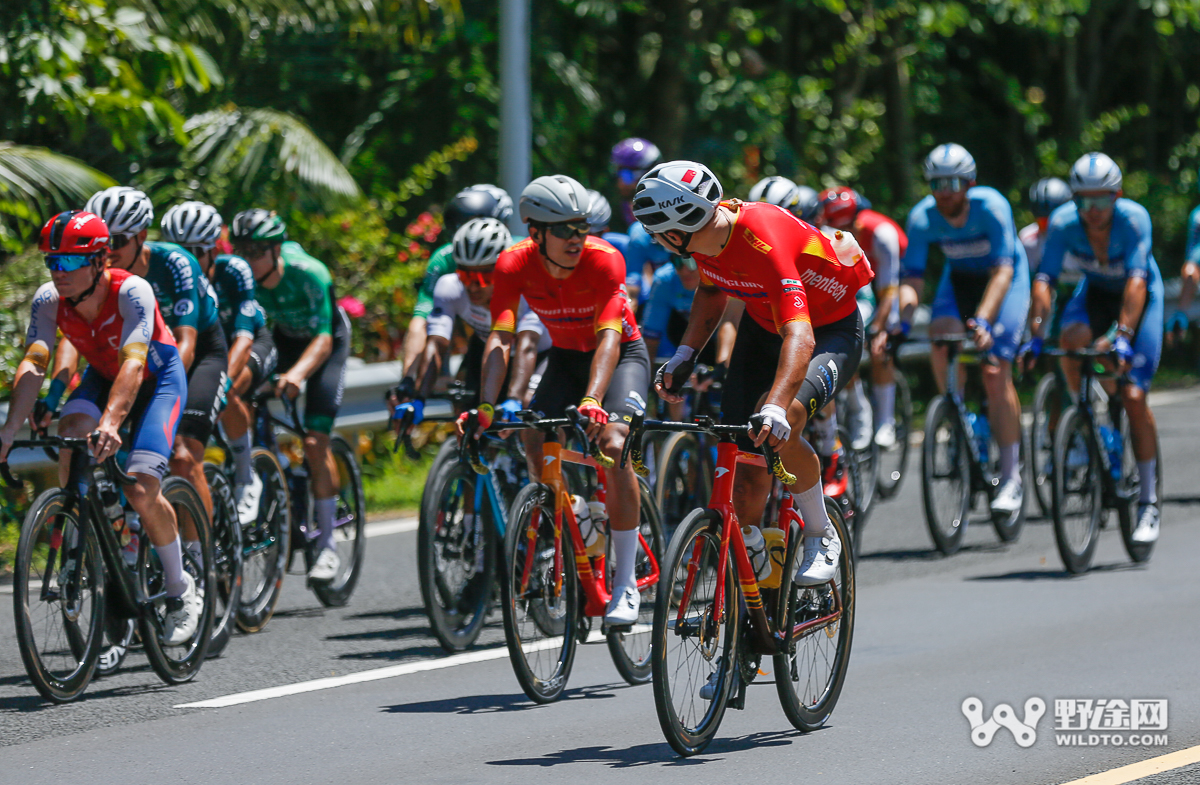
[(714, 620), (71, 582), (892, 462), (960, 459), (547, 567), (1095, 470), (685, 460)]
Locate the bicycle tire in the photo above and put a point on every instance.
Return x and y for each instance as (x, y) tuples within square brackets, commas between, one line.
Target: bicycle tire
[(945, 438), (1041, 441), (447, 558), (350, 502), (77, 664), (687, 729), (227, 558), (447, 453), (684, 479), (850, 504), (533, 626), (178, 664), (893, 462), (630, 650), (266, 544), (1008, 527), (1139, 552), (868, 471), (808, 711), (1074, 433)]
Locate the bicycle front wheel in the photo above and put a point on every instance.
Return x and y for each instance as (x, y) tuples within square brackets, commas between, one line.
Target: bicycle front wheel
[(1047, 408), (350, 537), (266, 545), (946, 475), (1077, 491), (540, 601), (58, 598), (694, 648), (1127, 512), (227, 558), (893, 461), (630, 649), (809, 677), (684, 479)]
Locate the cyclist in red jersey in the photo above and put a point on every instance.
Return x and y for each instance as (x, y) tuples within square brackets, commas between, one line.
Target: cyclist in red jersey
[(884, 243), (799, 347), (576, 285), (134, 370)]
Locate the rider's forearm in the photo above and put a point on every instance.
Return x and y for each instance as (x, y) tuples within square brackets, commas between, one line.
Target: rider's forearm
[(794, 356), (911, 291), (239, 355), (495, 364), (124, 391), (432, 365), (315, 354), (708, 305), (604, 362), (185, 338), (25, 392), (727, 330), (1132, 304), (1190, 275), (1039, 309), (414, 346), (993, 295), (66, 360), (524, 364), (883, 306)]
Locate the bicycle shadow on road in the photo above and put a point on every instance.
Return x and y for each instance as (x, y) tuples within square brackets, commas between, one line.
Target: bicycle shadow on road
[(492, 704), (1055, 575), (660, 753), (928, 554), (35, 702), (398, 614)]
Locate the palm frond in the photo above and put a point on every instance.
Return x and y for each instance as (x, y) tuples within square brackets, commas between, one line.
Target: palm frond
[(34, 182)]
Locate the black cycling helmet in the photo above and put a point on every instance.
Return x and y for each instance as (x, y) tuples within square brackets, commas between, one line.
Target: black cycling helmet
[(1047, 194), (478, 201)]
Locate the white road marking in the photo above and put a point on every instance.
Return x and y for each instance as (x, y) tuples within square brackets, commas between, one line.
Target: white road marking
[(396, 526), (1136, 771)]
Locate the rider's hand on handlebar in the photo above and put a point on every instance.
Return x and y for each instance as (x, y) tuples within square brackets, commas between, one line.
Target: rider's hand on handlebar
[(674, 374), (775, 429), (983, 333), (1124, 350), (1029, 352), (486, 413), (287, 387), (106, 440), (508, 410), (596, 415)]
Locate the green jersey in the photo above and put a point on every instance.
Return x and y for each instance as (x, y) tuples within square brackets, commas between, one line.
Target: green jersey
[(238, 310), (441, 263), (184, 295), (301, 304)]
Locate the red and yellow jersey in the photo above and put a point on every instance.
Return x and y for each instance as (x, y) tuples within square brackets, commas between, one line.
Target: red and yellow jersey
[(574, 310), (867, 223), (783, 269)]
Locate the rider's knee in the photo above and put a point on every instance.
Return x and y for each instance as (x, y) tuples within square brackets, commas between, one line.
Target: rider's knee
[(612, 440)]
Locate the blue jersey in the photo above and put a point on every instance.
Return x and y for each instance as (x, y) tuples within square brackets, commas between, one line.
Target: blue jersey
[(1129, 249), (987, 239), (184, 295), (616, 240), (667, 296), (239, 311), (1193, 237), (640, 251)]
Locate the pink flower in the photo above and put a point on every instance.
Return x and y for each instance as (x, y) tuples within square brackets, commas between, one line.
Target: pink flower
[(353, 307)]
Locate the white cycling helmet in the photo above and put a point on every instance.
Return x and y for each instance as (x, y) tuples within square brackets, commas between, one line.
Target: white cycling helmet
[(124, 210), (1095, 172), (778, 191), (808, 203), (479, 241), (554, 199), (679, 195), (599, 212), (192, 225), (949, 160)]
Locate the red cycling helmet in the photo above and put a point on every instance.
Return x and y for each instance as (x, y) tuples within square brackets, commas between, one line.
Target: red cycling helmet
[(74, 232), (839, 205)]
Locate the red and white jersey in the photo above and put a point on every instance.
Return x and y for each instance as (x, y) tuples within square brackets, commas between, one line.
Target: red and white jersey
[(884, 243)]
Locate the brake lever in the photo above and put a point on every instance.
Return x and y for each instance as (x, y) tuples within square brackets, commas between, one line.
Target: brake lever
[(593, 449), (633, 445), (774, 462)]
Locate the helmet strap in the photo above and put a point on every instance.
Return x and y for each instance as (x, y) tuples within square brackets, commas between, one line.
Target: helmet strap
[(274, 265), (75, 301), (541, 244), (680, 250)]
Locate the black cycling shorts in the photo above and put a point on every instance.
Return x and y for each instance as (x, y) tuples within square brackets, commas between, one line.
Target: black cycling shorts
[(566, 378), (755, 359), (677, 324), (323, 392), (206, 385), (262, 359)]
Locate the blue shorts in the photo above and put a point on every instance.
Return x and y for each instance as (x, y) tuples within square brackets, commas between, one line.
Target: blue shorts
[(958, 295), (154, 418), (1099, 310)]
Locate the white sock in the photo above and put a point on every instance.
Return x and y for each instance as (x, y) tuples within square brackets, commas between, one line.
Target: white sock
[(1148, 472), (625, 550), (243, 470), (826, 428), (856, 398), (1010, 462), (885, 403), (171, 558), (193, 549), (324, 510), (811, 505)]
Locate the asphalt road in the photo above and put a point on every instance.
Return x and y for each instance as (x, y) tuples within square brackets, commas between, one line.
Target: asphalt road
[(999, 623)]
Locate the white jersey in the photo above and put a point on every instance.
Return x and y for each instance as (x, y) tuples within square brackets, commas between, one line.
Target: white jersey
[(451, 300)]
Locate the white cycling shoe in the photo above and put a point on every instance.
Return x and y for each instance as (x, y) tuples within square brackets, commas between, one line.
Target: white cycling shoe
[(183, 614), (1008, 500), (623, 608), (326, 567), (247, 498), (859, 425), (885, 437), (1147, 524), (821, 555)]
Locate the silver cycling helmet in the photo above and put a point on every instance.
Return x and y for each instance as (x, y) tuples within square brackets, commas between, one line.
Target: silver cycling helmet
[(192, 224), (949, 160), (778, 191), (599, 212), (1095, 172), (809, 203), (1047, 194), (479, 241), (554, 199), (679, 195), (126, 211)]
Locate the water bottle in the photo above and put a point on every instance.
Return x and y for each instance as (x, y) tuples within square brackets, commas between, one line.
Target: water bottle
[(848, 251), (982, 431), (756, 549), (599, 513), (1115, 448), (776, 555), (594, 539)]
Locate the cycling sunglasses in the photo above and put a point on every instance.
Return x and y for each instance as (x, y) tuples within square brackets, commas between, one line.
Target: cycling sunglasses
[(68, 262), (479, 278), (948, 184), (629, 176), (119, 241), (1085, 203), (569, 231)]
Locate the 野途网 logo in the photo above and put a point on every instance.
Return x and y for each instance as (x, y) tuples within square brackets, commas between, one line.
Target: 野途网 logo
[(1111, 722), (1003, 716)]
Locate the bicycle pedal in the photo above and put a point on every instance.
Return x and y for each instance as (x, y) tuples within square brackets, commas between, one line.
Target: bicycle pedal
[(605, 629)]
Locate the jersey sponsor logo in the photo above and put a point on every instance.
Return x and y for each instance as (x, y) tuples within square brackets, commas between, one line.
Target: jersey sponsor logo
[(82, 220), (181, 270), (967, 249), (754, 242), (183, 307), (248, 308), (789, 282), (825, 283)]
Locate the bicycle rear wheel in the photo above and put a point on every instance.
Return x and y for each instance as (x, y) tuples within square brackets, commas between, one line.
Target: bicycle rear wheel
[(350, 538), (1131, 485), (810, 676), (266, 545), (945, 475), (178, 664), (456, 560), (1008, 527), (851, 504), (684, 479), (1077, 491), (693, 650), (58, 598), (540, 604), (227, 558), (893, 462), (1047, 409), (630, 649)]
